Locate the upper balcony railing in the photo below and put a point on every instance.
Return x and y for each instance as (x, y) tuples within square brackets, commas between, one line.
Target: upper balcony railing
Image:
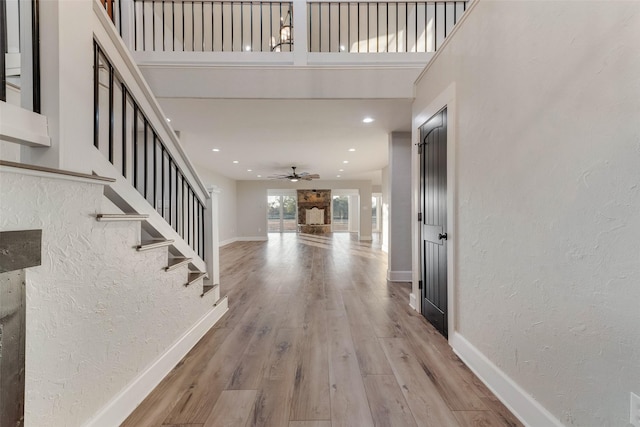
[(268, 26), (377, 27), (210, 25)]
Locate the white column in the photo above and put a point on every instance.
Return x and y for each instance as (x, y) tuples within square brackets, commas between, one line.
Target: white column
[(399, 207), (211, 242), (365, 213), (354, 213), (300, 41), (385, 210)]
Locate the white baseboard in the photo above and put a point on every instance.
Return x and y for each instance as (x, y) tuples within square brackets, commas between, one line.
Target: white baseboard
[(399, 276), (519, 402), (365, 238), (121, 406), (227, 242), (252, 239), (412, 301)]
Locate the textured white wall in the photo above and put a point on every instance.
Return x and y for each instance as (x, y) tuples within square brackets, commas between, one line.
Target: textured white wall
[(98, 312), (227, 215), (548, 172)]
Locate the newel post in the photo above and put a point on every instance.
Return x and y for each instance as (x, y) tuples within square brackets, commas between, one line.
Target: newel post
[(212, 246)]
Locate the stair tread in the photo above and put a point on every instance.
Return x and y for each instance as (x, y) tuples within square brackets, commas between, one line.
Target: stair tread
[(177, 262), (222, 298), (121, 217), (208, 288), (152, 244), (194, 276)]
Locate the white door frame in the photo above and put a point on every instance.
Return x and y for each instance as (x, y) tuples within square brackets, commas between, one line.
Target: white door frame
[(445, 99)]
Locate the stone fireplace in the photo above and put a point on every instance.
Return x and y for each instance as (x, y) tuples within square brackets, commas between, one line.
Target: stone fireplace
[(19, 250), (314, 211)]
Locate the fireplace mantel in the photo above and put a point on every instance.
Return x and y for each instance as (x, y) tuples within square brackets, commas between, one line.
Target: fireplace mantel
[(316, 203)]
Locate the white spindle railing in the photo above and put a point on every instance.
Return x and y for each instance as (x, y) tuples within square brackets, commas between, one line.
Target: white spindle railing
[(331, 26), (154, 174)]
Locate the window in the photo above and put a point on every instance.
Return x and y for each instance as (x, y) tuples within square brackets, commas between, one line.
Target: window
[(340, 212), (376, 212), (281, 213)]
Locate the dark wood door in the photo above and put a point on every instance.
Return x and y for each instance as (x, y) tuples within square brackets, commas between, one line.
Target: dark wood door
[(433, 219)]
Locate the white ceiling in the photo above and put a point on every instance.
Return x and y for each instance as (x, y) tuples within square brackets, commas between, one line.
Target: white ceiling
[(270, 136)]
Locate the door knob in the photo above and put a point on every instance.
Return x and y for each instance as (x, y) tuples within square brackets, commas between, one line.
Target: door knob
[(442, 236)]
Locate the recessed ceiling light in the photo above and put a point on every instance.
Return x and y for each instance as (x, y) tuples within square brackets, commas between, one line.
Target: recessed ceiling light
[(168, 120), (236, 162), (340, 170), (345, 162), (367, 120), (352, 149), (259, 176), (249, 170), (337, 176), (215, 149)]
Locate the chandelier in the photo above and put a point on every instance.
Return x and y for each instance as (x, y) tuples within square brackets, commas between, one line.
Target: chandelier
[(285, 35)]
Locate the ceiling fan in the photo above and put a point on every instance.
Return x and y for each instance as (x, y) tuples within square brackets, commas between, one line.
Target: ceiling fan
[(295, 177)]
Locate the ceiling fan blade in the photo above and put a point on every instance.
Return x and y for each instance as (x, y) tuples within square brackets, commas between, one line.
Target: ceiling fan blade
[(306, 176)]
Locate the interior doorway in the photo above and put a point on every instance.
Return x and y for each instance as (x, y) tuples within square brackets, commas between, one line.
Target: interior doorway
[(340, 213), (282, 213), (376, 212), (345, 210)]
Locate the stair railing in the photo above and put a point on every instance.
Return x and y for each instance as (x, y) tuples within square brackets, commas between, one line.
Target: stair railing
[(124, 134), (126, 137), (134, 143), (381, 27), (209, 25)]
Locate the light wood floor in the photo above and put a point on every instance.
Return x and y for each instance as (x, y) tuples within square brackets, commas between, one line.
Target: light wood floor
[(316, 337)]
